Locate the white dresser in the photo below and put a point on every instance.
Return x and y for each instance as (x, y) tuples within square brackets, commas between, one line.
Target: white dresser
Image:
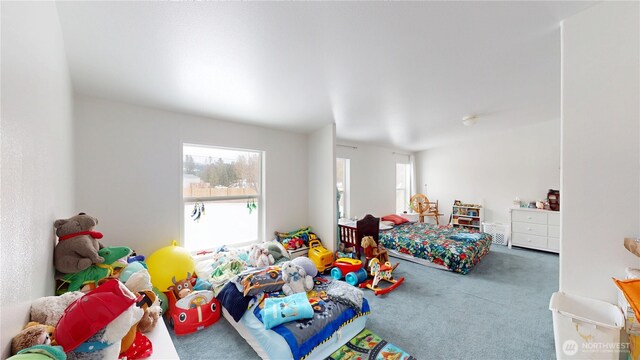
[(535, 229)]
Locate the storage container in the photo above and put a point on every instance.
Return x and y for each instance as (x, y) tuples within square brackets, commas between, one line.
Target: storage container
[(497, 231), (585, 328)]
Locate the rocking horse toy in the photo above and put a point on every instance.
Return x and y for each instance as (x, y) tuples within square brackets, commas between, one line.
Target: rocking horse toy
[(381, 272)]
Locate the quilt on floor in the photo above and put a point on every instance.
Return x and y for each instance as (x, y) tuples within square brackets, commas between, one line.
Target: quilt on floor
[(329, 316), (433, 243), (369, 346)]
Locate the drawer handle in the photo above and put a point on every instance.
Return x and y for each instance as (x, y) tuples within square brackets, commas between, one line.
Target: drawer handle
[(529, 217), (529, 229), (528, 240)]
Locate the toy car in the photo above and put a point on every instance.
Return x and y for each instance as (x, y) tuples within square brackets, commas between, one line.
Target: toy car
[(192, 313), (321, 257), (343, 266)]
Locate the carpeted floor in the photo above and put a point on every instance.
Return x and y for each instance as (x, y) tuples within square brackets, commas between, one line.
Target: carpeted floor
[(500, 310)]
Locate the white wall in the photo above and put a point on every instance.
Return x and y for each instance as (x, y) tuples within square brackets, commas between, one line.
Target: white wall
[(37, 159), (129, 170), (600, 154), (493, 169), (322, 185), (373, 178)]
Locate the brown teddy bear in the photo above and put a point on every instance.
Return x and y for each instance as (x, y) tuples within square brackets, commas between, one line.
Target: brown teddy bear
[(32, 334), (78, 244)]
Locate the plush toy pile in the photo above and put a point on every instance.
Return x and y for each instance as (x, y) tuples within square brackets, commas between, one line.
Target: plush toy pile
[(111, 282)]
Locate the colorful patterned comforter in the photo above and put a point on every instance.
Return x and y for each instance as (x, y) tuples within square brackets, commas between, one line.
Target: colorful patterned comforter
[(433, 243)]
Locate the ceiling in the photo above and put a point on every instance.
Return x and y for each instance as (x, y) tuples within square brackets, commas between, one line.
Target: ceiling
[(399, 74)]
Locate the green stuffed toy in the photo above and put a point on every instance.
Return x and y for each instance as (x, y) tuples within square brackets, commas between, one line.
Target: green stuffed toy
[(97, 272)]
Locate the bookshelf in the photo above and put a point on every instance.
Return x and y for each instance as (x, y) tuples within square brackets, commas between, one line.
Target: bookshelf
[(468, 216)]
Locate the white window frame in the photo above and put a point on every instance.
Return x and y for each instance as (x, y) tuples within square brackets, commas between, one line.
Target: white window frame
[(259, 198), (347, 185), (406, 188)]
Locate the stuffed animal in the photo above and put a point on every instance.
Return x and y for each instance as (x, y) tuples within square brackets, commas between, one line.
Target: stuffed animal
[(114, 257), (78, 244), (150, 317), (40, 352), (139, 281), (264, 258), (94, 326), (260, 257), (295, 279), (183, 287), (33, 334), (144, 301), (48, 310)]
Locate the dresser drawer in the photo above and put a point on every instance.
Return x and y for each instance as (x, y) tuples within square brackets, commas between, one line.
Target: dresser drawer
[(553, 231), (553, 218), (529, 228), (553, 243), (529, 240), (529, 217)]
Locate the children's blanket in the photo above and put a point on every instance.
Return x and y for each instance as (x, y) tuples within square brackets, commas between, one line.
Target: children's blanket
[(306, 334)]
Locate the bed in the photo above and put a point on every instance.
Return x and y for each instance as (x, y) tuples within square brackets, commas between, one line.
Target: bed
[(442, 246), (333, 324)]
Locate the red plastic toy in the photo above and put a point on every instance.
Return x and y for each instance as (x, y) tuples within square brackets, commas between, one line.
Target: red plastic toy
[(192, 313)]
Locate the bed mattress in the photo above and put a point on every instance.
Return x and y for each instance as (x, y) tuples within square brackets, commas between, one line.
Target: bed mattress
[(270, 345), (437, 245)]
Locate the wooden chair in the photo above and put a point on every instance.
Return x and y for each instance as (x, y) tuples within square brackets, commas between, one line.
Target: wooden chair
[(370, 226), (421, 205)]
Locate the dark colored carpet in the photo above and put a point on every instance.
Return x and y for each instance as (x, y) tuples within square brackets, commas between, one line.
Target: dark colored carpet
[(500, 310)]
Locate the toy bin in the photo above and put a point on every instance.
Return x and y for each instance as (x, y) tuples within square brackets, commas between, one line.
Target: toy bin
[(497, 231), (585, 328)]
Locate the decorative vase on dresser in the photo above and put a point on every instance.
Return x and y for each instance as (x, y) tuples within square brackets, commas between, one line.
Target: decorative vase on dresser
[(535, 229)]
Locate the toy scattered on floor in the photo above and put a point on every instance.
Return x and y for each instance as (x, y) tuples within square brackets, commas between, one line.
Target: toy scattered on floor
[(260, 257), (130, 269), (373, 250), (308, 265), (345, 252), (144, 301), (93, 326), (295, 279), (141, 348), (150, 317), (139, 281), (357, 277), (294, 244), (78, 244), (320, 256), (192, 313), (181, 288), (49, 309), (167, 262), (32, 334), (40, 352), (114, 257), (344, 266), (381, 272), (134, 257)]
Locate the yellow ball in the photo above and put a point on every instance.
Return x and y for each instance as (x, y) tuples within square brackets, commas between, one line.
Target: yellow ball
[(168, 262)]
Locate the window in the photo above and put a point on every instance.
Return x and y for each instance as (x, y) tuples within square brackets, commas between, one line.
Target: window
[(403, 186), (221, 192), (342, 183)]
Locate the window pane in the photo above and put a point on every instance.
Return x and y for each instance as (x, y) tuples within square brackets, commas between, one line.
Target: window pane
[(400, 176), (224, 222), (210, 174), (209, 171), (400, 201)]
